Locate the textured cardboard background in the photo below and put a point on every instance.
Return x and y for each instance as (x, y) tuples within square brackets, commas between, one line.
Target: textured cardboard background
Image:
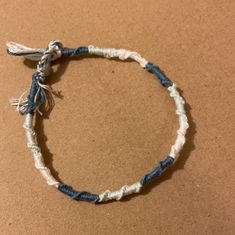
[(115, 122)]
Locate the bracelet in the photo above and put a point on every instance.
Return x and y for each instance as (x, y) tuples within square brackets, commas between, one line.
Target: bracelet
[(29, 106)]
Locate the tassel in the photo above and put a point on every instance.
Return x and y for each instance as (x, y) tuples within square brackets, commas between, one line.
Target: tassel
[(17, 49), (22, 103)]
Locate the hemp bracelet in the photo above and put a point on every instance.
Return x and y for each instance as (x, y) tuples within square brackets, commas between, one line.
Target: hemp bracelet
[(29, 106)]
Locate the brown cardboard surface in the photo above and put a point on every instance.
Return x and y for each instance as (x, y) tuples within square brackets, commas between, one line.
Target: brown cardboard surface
[(115, 122)]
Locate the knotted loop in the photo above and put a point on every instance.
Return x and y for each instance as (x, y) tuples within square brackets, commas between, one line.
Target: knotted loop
[(54, 48), (51, 53), (37, 95)]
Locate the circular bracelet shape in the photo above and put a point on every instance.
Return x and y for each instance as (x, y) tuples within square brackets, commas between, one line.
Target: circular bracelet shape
[(29, 106)]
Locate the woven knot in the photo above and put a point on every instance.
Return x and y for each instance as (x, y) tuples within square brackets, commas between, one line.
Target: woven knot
[(55, 48)]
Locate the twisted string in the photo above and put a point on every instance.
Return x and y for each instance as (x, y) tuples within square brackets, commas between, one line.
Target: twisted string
[(164, 80), (78, 195)]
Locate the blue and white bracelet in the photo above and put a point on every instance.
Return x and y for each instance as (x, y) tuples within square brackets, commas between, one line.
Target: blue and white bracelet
[(29, 106)]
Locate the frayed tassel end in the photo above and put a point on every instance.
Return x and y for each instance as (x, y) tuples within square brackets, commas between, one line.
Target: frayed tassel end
[(17, 49), (37, 96), (20, 103)]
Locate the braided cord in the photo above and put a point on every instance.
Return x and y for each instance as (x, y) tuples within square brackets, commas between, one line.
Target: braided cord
[(30, 105)]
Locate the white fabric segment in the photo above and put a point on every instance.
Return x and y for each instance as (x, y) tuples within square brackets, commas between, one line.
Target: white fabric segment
[(123, 191), (37, 155), (183, 121), (122, 54)]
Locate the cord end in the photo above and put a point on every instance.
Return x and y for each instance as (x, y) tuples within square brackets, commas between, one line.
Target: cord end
[(17, 49)]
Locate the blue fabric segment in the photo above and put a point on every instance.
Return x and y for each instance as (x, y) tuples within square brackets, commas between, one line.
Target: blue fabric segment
[(78, 195), (32, 103), (164, 80), (157, 171), (75, 51)]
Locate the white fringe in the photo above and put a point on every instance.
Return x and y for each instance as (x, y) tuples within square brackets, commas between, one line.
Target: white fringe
[(20, 103)]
